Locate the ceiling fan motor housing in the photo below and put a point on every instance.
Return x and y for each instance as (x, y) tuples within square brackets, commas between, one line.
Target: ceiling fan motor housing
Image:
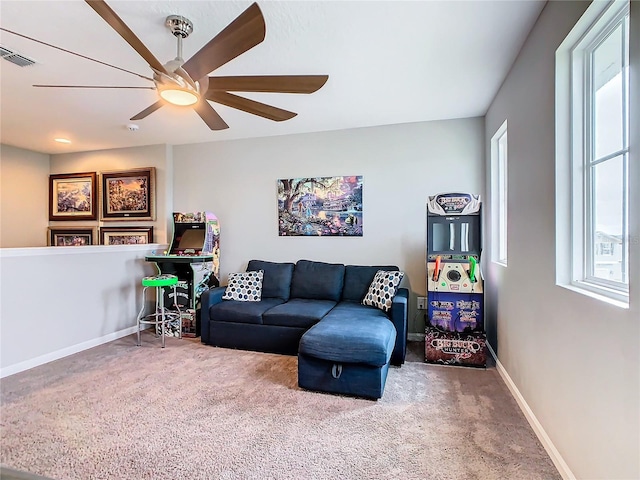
[(179, 25)]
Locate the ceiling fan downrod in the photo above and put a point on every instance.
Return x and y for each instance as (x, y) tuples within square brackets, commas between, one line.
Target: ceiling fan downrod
[(181, 27), (177, 86)]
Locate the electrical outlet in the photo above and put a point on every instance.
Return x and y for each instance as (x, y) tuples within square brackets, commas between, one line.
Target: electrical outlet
[(422, 303)]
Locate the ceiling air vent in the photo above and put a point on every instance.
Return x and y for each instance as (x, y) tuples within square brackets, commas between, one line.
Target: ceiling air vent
[(14, 57)]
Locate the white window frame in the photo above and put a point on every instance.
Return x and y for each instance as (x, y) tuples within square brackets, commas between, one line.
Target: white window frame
[(499, 194), (574, 251)]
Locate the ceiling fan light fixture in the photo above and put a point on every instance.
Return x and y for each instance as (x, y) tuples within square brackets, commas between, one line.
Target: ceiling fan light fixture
[(178, 96)]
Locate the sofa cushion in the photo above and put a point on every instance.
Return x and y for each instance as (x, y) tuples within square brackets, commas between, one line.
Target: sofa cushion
[(346, 310), (382, 289), (366, 339), (298, 312), (317, 280), (242, 312), (357, 279), (244, 287), (276, 281)]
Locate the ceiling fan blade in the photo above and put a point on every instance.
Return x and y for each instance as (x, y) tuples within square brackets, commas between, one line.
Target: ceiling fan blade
[(244, 33), (125, 32), (209, 115), (148, 111), (76, 54), (249, 106), (91, 86), (269, 83)]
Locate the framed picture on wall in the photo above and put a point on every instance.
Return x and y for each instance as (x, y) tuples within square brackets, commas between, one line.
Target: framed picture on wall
[(126, 235), (71, 236), (320, 206), (128, 195), (73, 196)]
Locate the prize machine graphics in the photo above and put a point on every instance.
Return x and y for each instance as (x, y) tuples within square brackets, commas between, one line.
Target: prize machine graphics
[(455, 325), (194, 257)]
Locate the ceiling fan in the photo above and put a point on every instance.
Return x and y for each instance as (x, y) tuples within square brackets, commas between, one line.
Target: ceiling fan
[(187, 83)]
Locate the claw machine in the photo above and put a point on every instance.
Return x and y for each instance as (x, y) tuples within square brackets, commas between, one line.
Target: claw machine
[(454, 333)]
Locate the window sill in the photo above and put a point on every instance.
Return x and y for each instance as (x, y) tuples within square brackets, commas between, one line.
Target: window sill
[(598, 296)]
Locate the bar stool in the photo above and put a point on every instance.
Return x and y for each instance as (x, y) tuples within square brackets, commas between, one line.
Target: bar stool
[(162, 317)]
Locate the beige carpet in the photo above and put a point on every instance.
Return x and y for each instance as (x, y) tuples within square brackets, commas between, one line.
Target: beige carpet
[(192, 411)]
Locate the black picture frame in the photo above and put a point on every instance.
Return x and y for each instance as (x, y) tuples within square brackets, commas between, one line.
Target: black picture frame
[(73, 196), (128, 195), (71, 236)]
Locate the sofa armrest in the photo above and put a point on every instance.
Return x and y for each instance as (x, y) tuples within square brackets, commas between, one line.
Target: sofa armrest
[(208, 298), (398, 315)]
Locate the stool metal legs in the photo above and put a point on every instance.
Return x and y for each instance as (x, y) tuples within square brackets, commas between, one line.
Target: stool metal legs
[(140, 314), (162, 316)]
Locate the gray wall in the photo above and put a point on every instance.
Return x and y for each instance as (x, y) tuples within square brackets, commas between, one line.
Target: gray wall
[(27, 171), (57, 301), (574, 359), (402, 165), (157, 156), (24, 193)]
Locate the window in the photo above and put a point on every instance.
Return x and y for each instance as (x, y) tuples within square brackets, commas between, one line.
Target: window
[(592, 154), (606, 248), (499, 154)]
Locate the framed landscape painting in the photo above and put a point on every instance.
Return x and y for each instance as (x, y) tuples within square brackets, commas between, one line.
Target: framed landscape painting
[(126, 235), (72, 196), (320, 206), (128, 195), (71, 236)]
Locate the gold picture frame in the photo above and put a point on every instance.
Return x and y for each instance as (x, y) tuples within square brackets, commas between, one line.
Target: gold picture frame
[(126, 235)]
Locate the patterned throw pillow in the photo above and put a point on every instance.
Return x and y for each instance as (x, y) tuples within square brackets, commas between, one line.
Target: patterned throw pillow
[(245, 287), (382, 289)]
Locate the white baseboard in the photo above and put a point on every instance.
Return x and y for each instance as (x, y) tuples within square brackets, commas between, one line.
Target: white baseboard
[(415, 337), (548, 445), (65, 352)]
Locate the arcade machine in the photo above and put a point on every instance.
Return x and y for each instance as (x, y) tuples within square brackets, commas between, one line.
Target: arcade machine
[(455, 325), (194, 257)]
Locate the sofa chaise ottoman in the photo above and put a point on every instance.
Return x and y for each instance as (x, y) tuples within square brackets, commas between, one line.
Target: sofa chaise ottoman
[(348, 352), (315, 310)]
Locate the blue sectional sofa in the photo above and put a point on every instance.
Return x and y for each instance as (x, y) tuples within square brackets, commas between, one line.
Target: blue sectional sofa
[(315, 310)]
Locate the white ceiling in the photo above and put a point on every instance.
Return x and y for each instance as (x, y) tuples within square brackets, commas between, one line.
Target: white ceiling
[(388, 62)]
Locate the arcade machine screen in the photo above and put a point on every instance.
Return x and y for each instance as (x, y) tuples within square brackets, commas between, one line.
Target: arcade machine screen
[(454, 235), (190, 241)]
